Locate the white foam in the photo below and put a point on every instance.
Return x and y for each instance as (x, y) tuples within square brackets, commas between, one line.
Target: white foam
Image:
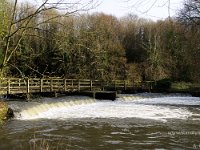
[(107, 109), (166, 100), (34, 112)]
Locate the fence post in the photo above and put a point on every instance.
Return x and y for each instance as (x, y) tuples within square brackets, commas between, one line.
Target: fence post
[(79, 86), (102, 85), (125, 85), (8, 86), (41, 85), (19, 83), (51, 85), (90, 85), (27, 86), (65, 85)]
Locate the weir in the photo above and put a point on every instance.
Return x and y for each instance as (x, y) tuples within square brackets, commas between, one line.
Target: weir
[(146, 106), (35, 112)]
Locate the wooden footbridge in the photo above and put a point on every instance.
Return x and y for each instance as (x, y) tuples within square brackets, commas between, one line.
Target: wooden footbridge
[(12, 86)]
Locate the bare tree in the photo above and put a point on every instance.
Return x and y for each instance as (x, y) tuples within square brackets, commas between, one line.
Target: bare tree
[(190, 14), (20, 21)]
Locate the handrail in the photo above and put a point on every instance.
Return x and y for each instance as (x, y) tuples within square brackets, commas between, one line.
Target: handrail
[(58, 84)]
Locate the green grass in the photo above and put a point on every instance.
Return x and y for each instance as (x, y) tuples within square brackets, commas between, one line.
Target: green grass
[(185, 86)]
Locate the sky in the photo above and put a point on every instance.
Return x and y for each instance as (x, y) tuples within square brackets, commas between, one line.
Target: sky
[(151, 9)]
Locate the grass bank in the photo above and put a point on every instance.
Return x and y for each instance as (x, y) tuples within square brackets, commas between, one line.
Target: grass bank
[(186, 87), (3, 111), (166, 85)]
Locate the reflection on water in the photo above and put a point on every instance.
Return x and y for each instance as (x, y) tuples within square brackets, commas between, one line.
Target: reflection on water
[(132, 122)]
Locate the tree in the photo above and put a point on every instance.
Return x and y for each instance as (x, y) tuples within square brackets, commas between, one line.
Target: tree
[(133, 38), (20, 22), (154, 59), (110, 54), (190, 14), (4, 17), (189, 18)]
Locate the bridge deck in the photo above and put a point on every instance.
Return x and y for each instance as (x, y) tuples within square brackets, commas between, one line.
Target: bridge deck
[(35, 85)]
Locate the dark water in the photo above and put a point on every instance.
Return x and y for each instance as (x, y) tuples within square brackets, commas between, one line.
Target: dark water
[(146, 122)]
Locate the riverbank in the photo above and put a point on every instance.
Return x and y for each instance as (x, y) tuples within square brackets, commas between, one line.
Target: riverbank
[(3, 111), (183, 87)]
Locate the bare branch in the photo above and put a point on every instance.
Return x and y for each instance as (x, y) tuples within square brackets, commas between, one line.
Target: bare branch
[(190, 14), (145, 6), (20, 21)]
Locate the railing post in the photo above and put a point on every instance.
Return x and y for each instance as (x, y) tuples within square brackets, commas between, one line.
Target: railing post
[(79, 86), (51, 85), (41, 85), (125, 85), (8, 86), (90, 85), (19, 84), (27, 86), (102, 85), (65, 85), (28, 89), (72, 86)]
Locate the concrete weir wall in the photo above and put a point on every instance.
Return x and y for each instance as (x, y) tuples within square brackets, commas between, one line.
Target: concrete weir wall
[(99, 95), (111, 95)]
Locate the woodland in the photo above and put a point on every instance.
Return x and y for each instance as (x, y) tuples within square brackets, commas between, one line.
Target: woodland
[(63, 40)]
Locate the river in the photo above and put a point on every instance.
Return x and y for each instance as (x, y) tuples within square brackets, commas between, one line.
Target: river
[(138, 121)]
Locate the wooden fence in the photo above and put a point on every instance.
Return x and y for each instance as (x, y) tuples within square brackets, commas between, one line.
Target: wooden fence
[(33, 85)]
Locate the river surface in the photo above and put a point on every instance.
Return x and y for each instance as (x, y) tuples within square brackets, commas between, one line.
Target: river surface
[(138, 121)]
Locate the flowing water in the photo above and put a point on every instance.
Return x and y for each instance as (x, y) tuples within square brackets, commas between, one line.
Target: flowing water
[(139, 121)]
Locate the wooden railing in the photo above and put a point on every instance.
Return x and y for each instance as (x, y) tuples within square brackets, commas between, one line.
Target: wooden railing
[(33, 85)]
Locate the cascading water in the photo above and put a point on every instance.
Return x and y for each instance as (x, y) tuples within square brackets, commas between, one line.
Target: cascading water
[(50, 108), (146, 106), (137, 121)]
